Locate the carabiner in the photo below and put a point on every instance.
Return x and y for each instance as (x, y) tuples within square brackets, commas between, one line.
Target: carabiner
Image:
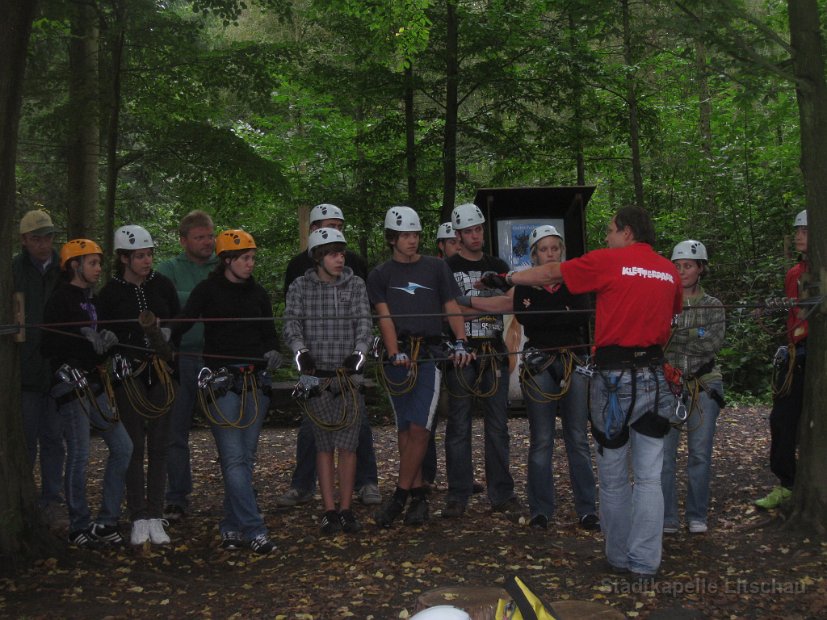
[(680, 410)]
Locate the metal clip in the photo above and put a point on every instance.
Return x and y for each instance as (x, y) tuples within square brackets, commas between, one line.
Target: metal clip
[(306, 387), (121, 367), (585, 369), (204, 378), (375, 348), (535, 360), (680, 410), (74, 377)]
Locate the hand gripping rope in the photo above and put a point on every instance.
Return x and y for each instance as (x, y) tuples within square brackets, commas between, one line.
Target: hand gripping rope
[(214, 385), (309, 387), (395, 388), (488, 359)]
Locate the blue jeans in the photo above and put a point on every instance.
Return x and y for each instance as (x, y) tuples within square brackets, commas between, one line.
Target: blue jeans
[(700, 431), (499, 483), (237, 446), (77, 425), (631, 514), (573, 409), (179, 467), (43, 427), (304, 474)]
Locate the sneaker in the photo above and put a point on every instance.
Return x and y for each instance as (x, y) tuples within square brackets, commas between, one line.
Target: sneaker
[(109, 534), (775, 498), (294, 497), (174, 513), (350, 524), (590, 522), (157, 534), (262, 545), (84, 538), (417, 513), (510, 508), (670, 529), (697, 527), (140, 532), (540, 522), (331, 523), (369, 495), (453, 509), (231, 541), (388, 512)]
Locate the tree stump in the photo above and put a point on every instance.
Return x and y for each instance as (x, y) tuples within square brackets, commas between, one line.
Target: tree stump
[(481, 603)]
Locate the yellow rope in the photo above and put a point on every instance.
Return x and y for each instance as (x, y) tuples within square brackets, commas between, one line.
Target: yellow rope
[(569, 361), (249, 382), (135, 393), (346, 418)]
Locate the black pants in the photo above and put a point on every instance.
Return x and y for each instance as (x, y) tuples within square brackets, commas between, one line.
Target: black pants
[(784, 417)]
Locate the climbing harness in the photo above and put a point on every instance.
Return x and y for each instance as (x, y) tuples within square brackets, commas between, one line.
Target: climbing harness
[(135, 393), (488, 361), (536, 362), (316, 393), (75, 385), (212, 386)]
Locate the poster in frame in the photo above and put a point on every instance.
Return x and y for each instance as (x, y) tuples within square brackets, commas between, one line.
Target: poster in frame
[(513, 239)]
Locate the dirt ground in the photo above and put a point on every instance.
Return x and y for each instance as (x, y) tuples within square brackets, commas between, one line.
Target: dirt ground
[(745, 567)]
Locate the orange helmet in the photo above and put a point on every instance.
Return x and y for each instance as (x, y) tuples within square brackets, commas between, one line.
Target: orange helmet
[(78, 247), (235, 239)]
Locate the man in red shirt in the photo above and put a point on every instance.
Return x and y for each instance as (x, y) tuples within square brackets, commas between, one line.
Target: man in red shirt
[(638, 292), (788, 393)]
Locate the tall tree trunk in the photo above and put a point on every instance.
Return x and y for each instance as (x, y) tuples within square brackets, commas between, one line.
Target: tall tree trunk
[(449, 148), (810, 494), (113, 130), (21, 533), (84, 120), (631, 101), (410, 138), (577, 103), (705, 127)]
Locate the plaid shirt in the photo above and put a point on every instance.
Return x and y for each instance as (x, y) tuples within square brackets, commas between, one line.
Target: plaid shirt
[(698, 335), (331, 320)]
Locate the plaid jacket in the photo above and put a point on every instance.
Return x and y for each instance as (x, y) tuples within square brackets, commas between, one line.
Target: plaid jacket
[(698, 335), (331, 320)]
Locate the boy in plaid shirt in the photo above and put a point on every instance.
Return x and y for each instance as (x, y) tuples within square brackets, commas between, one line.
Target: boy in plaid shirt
[(328, 328)]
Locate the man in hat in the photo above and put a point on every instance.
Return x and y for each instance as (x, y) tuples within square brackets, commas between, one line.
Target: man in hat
[(36, 269)]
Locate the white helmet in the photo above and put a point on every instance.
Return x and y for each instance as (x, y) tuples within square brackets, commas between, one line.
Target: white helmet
[(326, 211), (801, 219), (403, 219), (133, 238), (541, 232), (445, 231), (689, 249), (466, 215), (323, 236), (441, 612)]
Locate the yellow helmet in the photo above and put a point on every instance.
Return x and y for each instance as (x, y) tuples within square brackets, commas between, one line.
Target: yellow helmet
[(235, 239), (78, 247)]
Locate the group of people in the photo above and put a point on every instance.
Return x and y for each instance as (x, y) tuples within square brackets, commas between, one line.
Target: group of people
[(120, 364)]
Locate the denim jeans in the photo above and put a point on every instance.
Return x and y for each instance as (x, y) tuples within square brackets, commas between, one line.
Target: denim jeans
[(237, 446), (179, 467), (700, 431), (631, 513), (43, 427), (573, 409), (77, 426), (499, 483), (304, 474), (150, 436)]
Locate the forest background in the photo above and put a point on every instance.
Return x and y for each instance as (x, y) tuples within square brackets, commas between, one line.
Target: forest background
[(711, 115), (139, 111)]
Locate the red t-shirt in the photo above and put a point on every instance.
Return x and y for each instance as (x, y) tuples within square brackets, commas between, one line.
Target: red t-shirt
[(638, 293), (797, 328)]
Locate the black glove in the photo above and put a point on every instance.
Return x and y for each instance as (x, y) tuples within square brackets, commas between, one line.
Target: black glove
[(305, 362), (495, 280), (273, 360), (354, 362)]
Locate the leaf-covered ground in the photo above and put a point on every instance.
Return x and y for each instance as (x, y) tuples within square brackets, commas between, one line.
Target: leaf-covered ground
[(745, 567)]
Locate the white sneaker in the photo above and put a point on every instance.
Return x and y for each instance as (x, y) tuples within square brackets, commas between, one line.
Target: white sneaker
[(370, 495), (697, 527), (157, 534), (670, 529), (140, 532)]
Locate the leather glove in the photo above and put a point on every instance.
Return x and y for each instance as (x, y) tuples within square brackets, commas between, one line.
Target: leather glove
[(166, 333), (273, 359), (108, 338), (462, 357), (495, 280), (95, 338), (354, 362), (305, 362), (400, 359)]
